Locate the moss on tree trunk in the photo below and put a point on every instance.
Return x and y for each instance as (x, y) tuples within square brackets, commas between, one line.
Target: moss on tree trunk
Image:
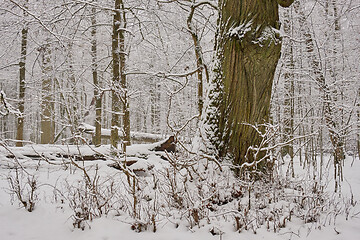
[(248, 50)]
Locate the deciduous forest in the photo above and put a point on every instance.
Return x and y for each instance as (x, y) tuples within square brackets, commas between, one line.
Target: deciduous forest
[(174, 119)]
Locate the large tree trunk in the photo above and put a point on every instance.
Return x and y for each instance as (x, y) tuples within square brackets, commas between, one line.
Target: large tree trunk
[(20, 119), (248, 49)]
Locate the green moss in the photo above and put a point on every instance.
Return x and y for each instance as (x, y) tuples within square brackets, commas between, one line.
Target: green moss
[(245, 73)]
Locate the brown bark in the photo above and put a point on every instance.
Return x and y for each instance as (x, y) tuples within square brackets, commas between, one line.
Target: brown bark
[(97, 94), (199, 58), (47, 124), (22, 73), (285, 3), (115, 119), (248, 48), (123, 83), (120, 104), (168, 145)]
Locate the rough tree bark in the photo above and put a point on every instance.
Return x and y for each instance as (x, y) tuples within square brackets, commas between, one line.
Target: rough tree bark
[(248, 48)]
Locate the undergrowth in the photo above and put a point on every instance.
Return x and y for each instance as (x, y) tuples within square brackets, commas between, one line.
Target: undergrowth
[(194, 194)]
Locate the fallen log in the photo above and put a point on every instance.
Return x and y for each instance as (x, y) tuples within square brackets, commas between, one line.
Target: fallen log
[(168, 145), (136, 157), (136, 137), (77, 157), (55, 152)]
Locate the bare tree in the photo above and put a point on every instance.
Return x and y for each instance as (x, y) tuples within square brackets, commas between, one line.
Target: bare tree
[(47, 105), (119, 88), (22, 82), (327, 99), (97, 92)]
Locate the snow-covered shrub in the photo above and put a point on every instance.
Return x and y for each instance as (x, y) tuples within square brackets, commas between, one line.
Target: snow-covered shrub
[(199, 193), (24, 187), (90, 197)]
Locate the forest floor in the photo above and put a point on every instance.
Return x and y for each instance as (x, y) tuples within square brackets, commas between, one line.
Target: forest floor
[(53, 216)]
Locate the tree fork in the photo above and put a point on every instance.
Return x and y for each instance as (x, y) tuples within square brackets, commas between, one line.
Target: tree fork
[(198, 55)]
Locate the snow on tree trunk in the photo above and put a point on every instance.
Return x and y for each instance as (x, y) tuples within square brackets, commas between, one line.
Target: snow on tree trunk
[(97, 94), (120, 104), (248, 49), (328, 101), (20, 119)]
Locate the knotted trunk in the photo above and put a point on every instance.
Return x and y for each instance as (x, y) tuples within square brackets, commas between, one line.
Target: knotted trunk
[(248, 50)]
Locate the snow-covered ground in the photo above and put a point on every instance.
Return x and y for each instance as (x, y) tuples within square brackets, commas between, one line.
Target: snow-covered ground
[(53, 218)]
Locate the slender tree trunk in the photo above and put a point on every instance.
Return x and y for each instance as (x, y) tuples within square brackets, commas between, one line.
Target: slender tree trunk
[(289, 102), (74, 98), (97, 93), (154, 106), (123, 83), (3, 116), (22, 73), (202, 68), (119, 92), (358, 124), (248, 50), (328, 102), (47, 124), (115, 118)]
